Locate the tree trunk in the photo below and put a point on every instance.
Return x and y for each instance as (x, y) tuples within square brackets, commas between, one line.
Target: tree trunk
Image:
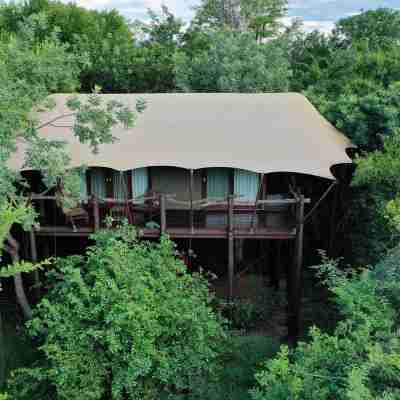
[(22, 300)]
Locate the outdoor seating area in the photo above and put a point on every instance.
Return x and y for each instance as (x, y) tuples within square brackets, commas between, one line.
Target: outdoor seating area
[(273, 217)]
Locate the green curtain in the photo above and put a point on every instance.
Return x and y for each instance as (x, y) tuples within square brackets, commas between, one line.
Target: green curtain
[(217, 183), (83, 186), (120, 185), (140, 182), (98, 183), (246, 185)]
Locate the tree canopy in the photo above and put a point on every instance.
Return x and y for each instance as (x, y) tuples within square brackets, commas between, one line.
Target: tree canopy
[(234, 62), (126, 321), (377, 27), (31, 69), (260, 16)]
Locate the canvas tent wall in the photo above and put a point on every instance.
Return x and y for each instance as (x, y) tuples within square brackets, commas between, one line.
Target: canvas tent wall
[(262, 133)]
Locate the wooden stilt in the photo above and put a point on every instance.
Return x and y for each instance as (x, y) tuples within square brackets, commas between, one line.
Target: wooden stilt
[(34, 259), (163, 217), (231, 252), (295, 290), (259, 194), (239, 250), (96, 213)]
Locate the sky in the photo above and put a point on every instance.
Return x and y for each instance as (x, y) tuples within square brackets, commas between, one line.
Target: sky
[(316, 14)]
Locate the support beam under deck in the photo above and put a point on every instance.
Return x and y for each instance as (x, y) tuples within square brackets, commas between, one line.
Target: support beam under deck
[(295, 276)]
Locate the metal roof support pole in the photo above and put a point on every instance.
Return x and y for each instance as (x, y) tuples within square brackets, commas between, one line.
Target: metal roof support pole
[(310, 213), (231, 249)]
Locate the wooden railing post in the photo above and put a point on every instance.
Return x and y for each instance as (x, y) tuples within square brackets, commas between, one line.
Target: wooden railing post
[(163, 217), (295, 293), (96, 213), (231, 250), (259, 194)]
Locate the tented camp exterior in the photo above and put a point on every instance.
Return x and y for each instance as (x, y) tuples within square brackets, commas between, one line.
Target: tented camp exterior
[(199, 166)]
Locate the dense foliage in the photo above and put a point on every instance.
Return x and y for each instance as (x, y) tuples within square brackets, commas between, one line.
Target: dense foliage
[(361, 360), (31, 68), (126, 321), (234, 62), (352, 77), (262, 17)]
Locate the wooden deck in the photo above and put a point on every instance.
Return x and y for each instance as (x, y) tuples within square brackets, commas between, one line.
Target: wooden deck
[(177, 233), (260, 221)]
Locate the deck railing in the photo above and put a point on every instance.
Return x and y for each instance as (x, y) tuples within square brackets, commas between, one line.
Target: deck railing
[(293, 208), (163, 213)]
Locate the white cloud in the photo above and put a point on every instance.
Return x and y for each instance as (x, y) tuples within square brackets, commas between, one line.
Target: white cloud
[(311, 25), (316, 14), (322, 26), (136, 8)]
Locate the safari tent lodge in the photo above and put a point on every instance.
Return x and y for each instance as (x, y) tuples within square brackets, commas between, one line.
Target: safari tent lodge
[(235, 167)]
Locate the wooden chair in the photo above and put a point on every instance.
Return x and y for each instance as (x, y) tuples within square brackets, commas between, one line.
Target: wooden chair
[(72, 214), (76, 214)]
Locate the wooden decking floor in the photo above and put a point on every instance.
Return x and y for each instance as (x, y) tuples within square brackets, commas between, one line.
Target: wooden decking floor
[(197, 233)]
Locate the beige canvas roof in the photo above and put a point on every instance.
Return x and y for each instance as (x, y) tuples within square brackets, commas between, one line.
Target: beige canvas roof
[(279, 132)]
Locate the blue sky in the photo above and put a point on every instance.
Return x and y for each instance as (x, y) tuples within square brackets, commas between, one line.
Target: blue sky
[(316, 14)]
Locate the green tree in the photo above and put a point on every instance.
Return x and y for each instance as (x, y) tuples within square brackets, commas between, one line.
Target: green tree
[(158, 40), (103, 36), (30, 71), (263, 16), (353, 79), (234, 62), (361, 360), (378, 27), (310, 56), (260, 16), (377, 174), (125, 321)]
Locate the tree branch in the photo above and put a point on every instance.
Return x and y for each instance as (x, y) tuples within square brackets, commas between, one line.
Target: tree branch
[(54, 120)]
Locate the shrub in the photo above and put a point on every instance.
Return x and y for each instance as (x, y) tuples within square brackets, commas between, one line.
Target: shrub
[(240, 358), (240, 314), (126, 321), (361, 360)]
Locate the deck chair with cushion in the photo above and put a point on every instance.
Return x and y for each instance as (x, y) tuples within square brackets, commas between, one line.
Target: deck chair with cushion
[(73, 213)]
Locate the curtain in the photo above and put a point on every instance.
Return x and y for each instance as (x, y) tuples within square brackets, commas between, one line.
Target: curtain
[(246, 185), (140, 182), (217, 183), (120, 185), (83, 186), (98, 183)]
